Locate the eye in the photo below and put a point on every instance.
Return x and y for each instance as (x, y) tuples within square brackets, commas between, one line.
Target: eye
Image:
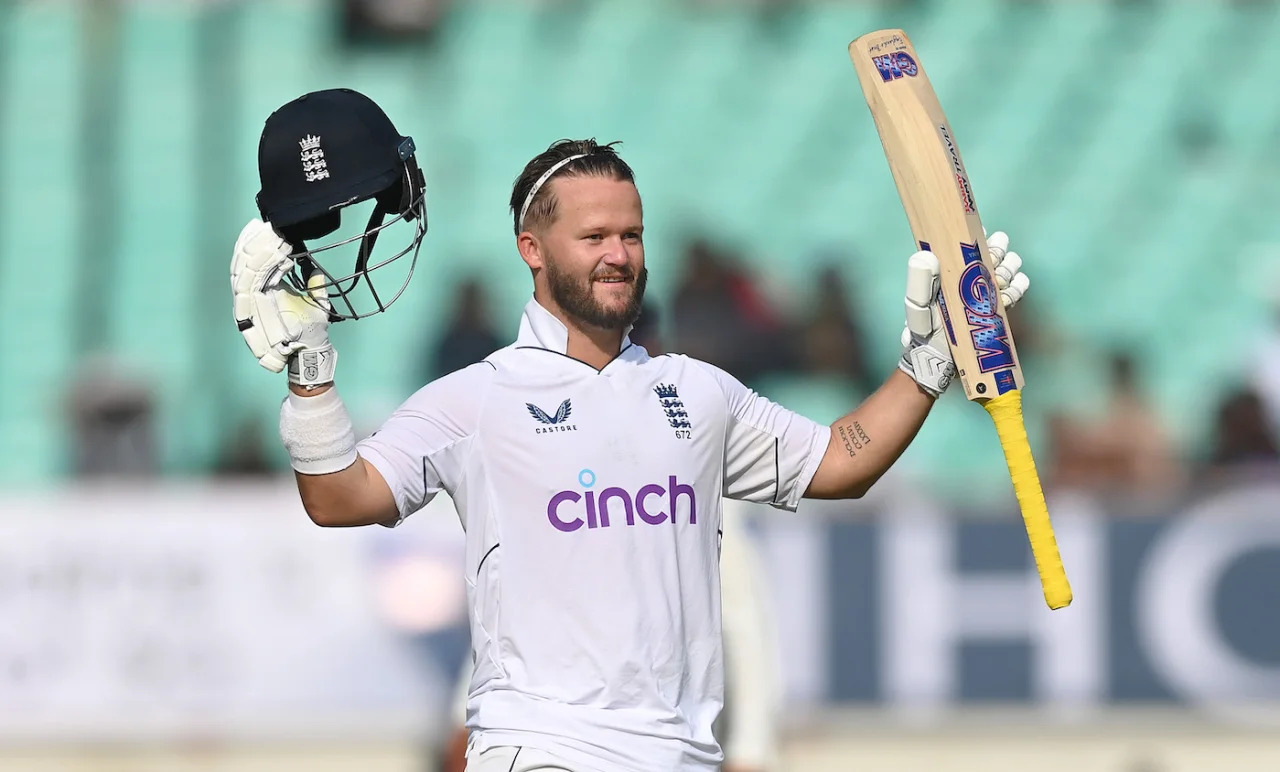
[(596, 237), (632, 236)]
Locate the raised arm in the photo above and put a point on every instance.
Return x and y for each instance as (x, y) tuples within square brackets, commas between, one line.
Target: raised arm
[(339, 485), (867, 441)]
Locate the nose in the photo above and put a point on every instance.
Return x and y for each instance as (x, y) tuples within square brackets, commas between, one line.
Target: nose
[(616, 254)]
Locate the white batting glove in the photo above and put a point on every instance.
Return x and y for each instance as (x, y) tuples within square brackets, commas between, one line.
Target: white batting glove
[(926, 356), (1010, 279), (280, 326)]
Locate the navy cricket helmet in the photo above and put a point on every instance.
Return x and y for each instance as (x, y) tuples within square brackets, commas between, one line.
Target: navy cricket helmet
[(320, 154)]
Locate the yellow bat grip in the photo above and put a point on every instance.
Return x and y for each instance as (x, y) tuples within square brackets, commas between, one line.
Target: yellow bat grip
[(1006, 411)]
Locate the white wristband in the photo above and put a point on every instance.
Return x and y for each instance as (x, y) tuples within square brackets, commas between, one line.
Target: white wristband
[(314, 366), (318, 433)]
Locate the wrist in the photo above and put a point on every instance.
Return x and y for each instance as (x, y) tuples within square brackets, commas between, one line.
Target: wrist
[(908, 378), (310, 391)]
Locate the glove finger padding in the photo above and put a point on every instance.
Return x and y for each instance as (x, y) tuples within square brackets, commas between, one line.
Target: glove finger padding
[(1007, 269), (1016, 289), (256, 340), (937, 325), (997, 246), (927, 357), (273, 318), (267, 350), (261, 259), (267, 317), (273, 361), (922, 291)]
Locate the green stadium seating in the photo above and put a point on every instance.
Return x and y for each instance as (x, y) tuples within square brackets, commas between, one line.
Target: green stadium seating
[(40, 210), (1135, 169)]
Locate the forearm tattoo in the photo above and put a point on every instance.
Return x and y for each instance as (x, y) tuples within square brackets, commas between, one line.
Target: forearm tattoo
[(854, 437)]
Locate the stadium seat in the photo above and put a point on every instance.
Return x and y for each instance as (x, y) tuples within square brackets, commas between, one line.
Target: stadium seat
[(41, 236), (1131, 180)]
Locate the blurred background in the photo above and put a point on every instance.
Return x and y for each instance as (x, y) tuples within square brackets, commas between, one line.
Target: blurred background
[(166, 605)]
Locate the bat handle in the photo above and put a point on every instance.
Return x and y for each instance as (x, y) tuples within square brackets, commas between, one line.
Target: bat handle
[(1006, 412)]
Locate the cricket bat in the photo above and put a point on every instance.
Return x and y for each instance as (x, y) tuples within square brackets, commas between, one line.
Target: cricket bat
[(935, 191)]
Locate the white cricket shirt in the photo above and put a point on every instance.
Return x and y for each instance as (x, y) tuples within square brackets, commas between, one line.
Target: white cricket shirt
[(591, 502)]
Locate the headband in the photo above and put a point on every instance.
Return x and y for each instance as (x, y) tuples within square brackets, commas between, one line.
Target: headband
[(542, 181)]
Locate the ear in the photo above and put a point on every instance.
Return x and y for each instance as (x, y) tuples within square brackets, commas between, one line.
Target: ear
[(530, 250)]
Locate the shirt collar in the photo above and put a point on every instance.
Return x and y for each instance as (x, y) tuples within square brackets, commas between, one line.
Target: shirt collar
[(540, 329)]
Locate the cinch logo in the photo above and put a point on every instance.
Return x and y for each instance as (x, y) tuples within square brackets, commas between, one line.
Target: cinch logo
[(653, 504), (895, 65), (977, 293)]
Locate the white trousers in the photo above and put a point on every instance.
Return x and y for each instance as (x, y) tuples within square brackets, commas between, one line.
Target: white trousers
[(508, 758)]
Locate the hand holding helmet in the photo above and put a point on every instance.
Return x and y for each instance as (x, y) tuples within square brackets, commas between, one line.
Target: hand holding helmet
[(280, 325), (319, 154)]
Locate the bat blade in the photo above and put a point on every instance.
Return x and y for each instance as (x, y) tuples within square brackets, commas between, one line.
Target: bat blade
[(934, 187), (941, 210)]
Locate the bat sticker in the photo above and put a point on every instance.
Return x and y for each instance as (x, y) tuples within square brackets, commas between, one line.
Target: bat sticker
[(962, 179), (895, 65), (986, 326)]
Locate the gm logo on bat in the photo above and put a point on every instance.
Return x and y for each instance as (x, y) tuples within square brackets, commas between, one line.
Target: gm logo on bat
[(986, 328), (895, 65)]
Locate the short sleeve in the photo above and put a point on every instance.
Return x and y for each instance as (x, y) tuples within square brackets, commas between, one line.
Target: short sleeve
[(770, 453), (422, 448)]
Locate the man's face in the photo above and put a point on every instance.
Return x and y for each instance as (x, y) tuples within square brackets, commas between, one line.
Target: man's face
[(593, 251)]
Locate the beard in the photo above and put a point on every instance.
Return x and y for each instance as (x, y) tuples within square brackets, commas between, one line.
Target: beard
[(576, 297)]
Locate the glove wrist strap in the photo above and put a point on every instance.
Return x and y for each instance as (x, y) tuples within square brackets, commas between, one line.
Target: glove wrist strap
[(313, 366), (931, 369)]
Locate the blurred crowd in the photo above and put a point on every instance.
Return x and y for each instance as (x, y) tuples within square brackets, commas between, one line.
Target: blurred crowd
[(720, 312), (1127, 448)]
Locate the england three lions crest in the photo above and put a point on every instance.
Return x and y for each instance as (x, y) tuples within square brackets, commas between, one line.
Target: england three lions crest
[(314, 165), (673, 408)]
